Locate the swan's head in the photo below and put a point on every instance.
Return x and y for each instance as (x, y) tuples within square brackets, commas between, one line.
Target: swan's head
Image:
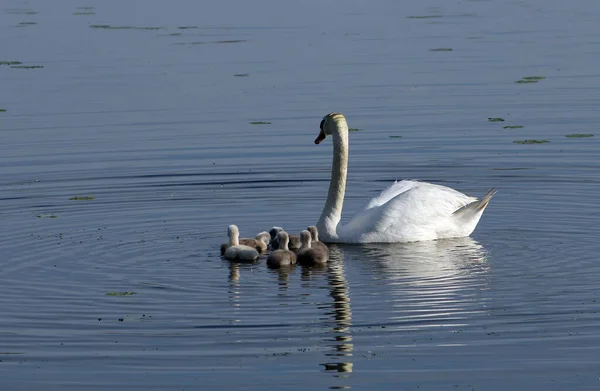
[(305, 239), (314, 233), (233, 231), (331, 123)]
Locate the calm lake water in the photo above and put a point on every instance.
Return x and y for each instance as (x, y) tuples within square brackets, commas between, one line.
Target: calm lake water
[(155, 125)]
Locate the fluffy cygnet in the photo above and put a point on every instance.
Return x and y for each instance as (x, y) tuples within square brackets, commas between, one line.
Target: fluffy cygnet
[(308, 255), (260, 243), (282, 256), (236, 251)]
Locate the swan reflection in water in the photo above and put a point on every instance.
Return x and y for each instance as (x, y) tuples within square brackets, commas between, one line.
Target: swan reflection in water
[(428, 284)]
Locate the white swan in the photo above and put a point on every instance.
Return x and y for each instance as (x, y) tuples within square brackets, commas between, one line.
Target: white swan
[(236, 251), (407, 211)]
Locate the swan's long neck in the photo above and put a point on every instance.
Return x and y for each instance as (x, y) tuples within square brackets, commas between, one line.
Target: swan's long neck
[(332, 212)]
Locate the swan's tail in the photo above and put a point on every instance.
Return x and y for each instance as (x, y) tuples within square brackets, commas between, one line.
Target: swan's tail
[(475, 208)]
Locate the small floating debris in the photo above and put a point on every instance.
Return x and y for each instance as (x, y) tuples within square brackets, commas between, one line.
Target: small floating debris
[(17, 11), (187, 27), (531, 141), (579, 135), (10, 62), (174, 35), (354, 130), (441, 50), (85, 8), (109, 27), (190, 43), (27, 66), (424, 16), (530, 79), (27, 23), (46, 216), (241, 75), (121, 293), (230, 41), (260, 123), (81, 198), (513, 127), (395, 136), (496, 119)]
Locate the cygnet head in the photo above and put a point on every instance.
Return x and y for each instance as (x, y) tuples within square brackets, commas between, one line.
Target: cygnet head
[(274, 231), (264, 237), (331, 123), (305, 239), (314, 233), (283, 239)]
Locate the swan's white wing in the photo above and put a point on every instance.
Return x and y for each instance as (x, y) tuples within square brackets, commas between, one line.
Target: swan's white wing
[(422, 212), (391, 192)]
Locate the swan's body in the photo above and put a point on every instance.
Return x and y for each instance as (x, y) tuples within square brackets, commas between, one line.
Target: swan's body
[(283, 256), (294, 240), (314, 236), (407, 211), (236, 251), (309, 255)]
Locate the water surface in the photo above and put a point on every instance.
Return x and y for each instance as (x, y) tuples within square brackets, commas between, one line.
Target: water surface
[(151, 121)]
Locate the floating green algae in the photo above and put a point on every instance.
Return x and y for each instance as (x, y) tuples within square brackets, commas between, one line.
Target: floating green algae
[(81, 198), (109, 27), (260, 123), (2, 110), (395, 136), (84, 13), (121, 293), (241, 74), (531, 141), (579, 135), (230, 41), (46, 216), (10, 62), (354, 130), (533, 78), (524, 81), (513, 127), (27, 66), (441, 50), (496, 119), (424, 16)]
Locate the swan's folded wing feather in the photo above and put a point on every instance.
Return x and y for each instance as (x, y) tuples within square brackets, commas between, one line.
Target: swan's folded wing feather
[(419, 213), (396, 188)]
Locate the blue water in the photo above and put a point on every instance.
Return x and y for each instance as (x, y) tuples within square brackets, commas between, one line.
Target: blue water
[(157, 129)]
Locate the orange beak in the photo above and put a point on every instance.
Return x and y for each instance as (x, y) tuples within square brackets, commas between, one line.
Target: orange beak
[(320, 137)]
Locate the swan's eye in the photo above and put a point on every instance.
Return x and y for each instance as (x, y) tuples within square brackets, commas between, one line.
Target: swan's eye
[(322, 123)]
